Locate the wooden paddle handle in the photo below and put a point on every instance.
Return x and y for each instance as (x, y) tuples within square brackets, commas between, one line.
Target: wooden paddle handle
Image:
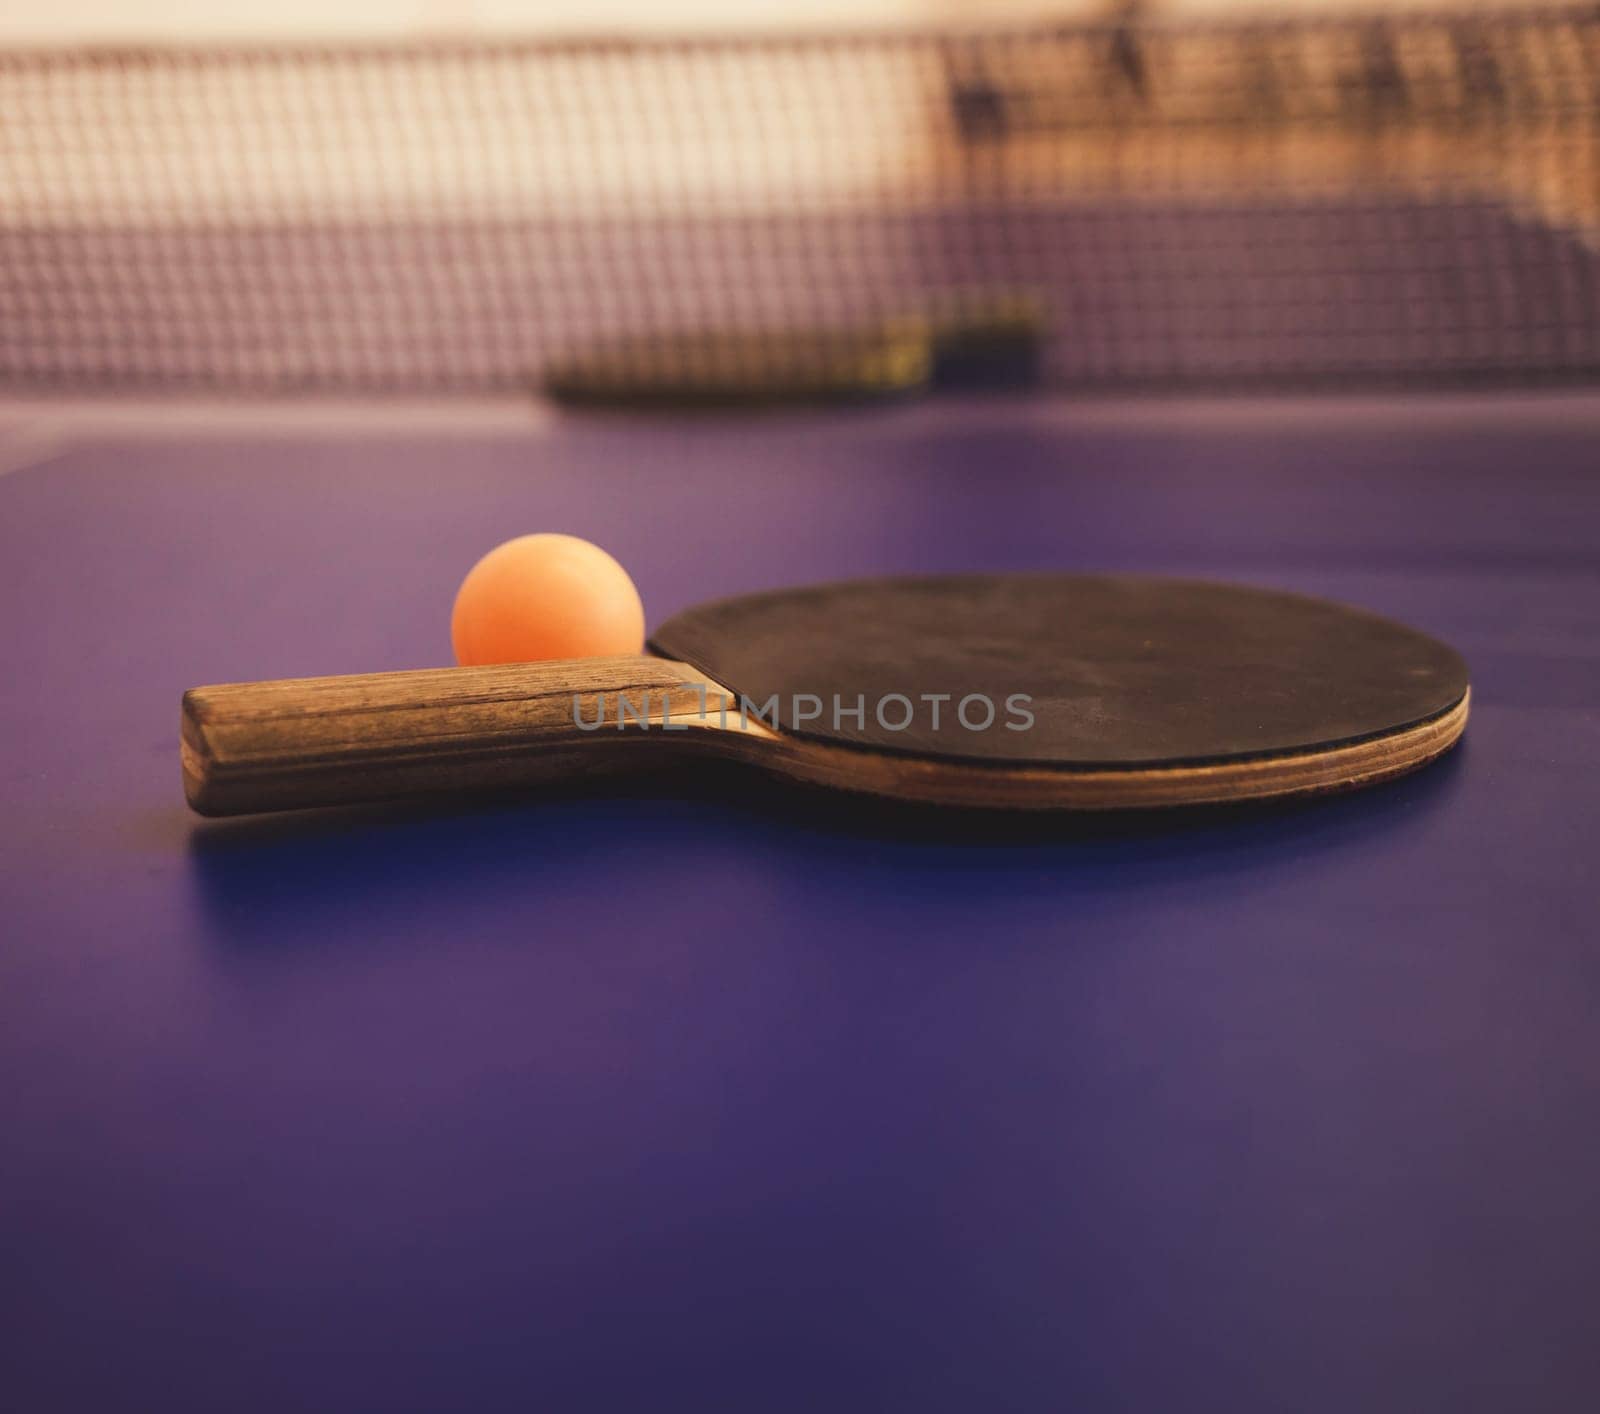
[(283, 745)]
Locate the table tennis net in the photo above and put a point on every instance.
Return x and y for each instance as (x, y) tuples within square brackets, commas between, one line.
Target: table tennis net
[(1185, 204)]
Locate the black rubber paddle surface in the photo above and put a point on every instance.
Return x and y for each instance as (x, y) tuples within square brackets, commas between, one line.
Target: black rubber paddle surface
[(1116, 670)]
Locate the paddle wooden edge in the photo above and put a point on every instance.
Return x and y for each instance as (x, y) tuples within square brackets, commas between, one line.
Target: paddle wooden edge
[(962, 784)]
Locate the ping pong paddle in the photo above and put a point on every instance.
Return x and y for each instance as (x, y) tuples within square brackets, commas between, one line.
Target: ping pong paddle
[(712, 370), (1014, 691), (967, 341)]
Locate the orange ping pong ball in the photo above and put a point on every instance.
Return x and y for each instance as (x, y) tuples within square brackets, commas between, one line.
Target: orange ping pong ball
[(545, 596)]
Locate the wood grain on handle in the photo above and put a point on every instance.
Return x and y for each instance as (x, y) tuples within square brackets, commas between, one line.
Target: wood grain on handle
[(379, 736)]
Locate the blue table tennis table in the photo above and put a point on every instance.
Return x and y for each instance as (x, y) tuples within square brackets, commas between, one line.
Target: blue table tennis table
[(703, 1092)]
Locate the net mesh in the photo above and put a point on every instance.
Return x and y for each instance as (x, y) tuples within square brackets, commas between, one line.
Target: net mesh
[(1249, 202)]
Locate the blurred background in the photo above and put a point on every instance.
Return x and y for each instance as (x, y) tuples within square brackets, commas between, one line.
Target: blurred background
[(462, 196), (95, 20)]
